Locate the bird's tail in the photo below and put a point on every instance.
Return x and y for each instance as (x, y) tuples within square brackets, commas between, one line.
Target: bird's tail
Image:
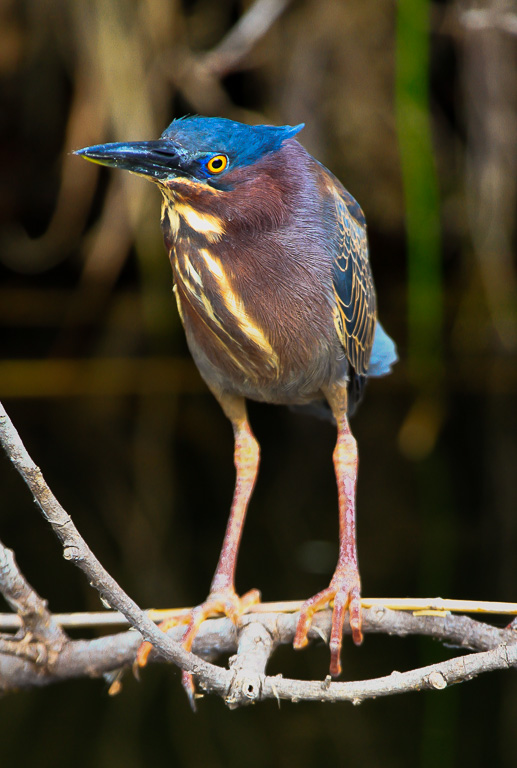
[(384, 353)]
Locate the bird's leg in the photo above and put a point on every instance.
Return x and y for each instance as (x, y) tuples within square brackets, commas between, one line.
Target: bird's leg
[(223, 598), (344, 590)]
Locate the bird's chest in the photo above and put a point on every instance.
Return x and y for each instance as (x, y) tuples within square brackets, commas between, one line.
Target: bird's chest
[(248, 324), (224, 329)]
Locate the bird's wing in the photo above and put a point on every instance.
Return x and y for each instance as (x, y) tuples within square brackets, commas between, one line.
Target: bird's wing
[(354, 291)]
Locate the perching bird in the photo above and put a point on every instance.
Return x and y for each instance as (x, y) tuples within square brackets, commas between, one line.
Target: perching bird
[(273, 284)]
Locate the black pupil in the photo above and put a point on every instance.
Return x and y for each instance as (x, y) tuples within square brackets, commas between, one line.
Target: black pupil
[(217, 163)]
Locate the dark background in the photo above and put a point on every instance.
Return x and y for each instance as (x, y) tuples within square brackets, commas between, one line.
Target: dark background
[(413, 106)]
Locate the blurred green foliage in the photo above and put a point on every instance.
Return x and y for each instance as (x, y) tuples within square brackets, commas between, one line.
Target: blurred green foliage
[(422, 205)]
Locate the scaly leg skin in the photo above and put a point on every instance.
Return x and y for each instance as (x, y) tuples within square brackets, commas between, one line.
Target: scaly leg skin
[(223, 598), (344, 590)]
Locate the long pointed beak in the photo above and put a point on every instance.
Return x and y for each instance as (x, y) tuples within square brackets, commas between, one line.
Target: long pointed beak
[(158, 160)]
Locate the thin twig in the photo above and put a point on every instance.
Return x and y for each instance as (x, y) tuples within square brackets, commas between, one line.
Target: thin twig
[(436, 606), (32, 612)]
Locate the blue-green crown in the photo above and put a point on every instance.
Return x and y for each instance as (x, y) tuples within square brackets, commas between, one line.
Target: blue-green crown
[(244, 144)]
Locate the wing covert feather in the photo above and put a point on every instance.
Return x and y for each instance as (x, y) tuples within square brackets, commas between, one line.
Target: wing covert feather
[(354, 291)]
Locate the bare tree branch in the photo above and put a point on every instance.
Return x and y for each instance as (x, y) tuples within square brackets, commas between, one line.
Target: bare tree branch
[(476, 18), (259, 635), (198, 76), (435, 676), (35, 619), (24, 663), (256, 644), (243, 36), (76, 550), (488, 79)]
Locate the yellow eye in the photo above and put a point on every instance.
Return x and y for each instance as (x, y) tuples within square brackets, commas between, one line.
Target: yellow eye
[(217, 163)]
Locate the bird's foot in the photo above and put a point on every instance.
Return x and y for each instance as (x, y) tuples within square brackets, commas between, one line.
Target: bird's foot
[(224, 602), (344, 592)]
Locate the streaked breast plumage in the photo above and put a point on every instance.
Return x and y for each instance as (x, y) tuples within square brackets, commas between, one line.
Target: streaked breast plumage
[(210, 306)]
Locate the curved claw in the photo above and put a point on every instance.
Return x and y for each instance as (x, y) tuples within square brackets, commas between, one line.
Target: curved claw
[(227, 603), (344, 592), (224, 602)]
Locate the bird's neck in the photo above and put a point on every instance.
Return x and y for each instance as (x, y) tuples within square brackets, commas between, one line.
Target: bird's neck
[(261, 198)]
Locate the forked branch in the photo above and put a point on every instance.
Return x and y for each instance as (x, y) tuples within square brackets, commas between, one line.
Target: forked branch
[(40, 652)]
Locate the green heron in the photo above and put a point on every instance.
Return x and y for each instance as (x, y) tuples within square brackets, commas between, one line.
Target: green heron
[(272, 279)]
